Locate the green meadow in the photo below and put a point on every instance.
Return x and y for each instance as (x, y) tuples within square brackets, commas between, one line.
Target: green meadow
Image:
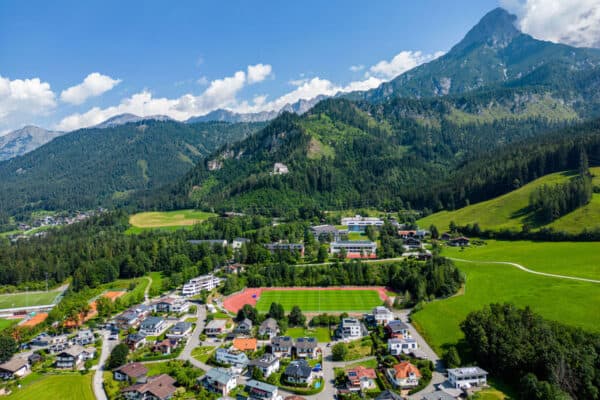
[(73, 386), (320, 300), (166, 220), (23, 299)]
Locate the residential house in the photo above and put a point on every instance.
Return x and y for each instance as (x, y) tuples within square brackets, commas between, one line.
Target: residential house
[(244, 327), (35, 358), (165, 346), (355, 248), (16, 367), (41, 340), (438, 395), (351, 328), (459, 242), (261, 391), (153, 326), (180, 330), (405, 234), (268, 364), (466, 377), (219, 380), (160, 387), (446, 236), (164, 305), (299, 372), (397, 329), (382, 315), (74, 356), (237, 359), (135, 340), (361, 378), (404, 375), (397, 346), (180, 306), (131, 372), (306, 347), (239, 242), (196, 285), (216, 327), (127, 319), (282, 346), (358, 223), (84, 337), (245, 344), (269, 328), (277, 247), (411, 243)]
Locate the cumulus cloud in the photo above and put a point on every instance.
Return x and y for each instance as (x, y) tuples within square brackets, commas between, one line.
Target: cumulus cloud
[(22, 100), (357, 68), (573, 22), (93, 85), (258, 72), (402, 62)]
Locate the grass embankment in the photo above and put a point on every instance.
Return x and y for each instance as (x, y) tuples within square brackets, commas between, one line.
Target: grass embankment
[(321, 300), (73, 386), (511, 210), (570, 302), (166, 220)]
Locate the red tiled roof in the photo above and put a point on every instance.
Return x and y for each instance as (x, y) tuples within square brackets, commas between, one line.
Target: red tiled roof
[(404, 369)]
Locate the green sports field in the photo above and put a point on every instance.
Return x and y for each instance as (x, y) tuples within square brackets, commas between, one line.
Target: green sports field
[(320, 300), (166, 220), (50, 387), (27, 299)]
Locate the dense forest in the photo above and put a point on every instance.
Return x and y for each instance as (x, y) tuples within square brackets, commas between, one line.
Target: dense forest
[(546, 360)]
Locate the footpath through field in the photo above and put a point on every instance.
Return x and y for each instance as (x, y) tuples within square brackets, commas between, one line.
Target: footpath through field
[(522, 268)]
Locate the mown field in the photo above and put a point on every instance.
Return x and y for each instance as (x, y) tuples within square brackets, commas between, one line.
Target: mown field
[(50, 387), (320, 300), (6, 323), (571, 302), (166, 220), (510, 211), (27, 299), (321, 333)]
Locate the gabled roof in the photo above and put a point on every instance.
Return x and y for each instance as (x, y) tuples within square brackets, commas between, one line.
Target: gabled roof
[(245, 344), (396, 326), (306, 343), (265, 361), (269, 323), (404, 369), (14, 364), (160, 386), (261, 386), (73, 351), (133, 370), (220, 375), (152, 321), (361, 372), (282, 341), (389, 395), (298, 369)]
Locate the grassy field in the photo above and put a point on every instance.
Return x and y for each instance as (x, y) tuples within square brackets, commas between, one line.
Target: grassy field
[(169, 220), (50, 387), (510, 211), (563, 258), (321, 334), (203, 353), (6, 323), (27, 299), (570, 302), (321, 300)]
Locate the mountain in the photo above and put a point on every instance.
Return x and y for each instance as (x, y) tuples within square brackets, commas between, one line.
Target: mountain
[(107, 166), (493, 52), (123, 119), (299, 107), (24, 140)]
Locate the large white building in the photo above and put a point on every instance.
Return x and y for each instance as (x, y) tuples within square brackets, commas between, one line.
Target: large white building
[(354, 247), (402, 346), (464, 378), (358, 223), (197, 285), (351, 328)]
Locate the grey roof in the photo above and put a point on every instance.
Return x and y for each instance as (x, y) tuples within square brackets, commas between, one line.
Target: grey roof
[(216, 323), (269, 323), (282, 341), (306, 343), (246, 322), (320, 229), (299, 369), (14, 364), (220, 375), (265, 361), (397, 325), (151, 322), (350, 322), (74, 351), (181, 327), (253, 384), (388, 395), (438, 395), (467, 371), (355, 242)]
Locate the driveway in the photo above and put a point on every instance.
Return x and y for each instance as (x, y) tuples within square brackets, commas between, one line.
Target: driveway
[(194, 340), (107, 346)]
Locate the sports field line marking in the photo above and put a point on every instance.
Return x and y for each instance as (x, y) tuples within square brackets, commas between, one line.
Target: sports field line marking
[(519, 266)]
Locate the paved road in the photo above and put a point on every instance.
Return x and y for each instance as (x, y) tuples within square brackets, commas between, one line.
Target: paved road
[(194, 340), (107, 346), (522, 268)]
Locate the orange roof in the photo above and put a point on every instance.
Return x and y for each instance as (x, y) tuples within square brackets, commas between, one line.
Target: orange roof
[(244, 344), (35, 320), (404, 369), (361, 372)]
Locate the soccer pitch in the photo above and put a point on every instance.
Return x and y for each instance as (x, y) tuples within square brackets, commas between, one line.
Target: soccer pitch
[(320, 301)]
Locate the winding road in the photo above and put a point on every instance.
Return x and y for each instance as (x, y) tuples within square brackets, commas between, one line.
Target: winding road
[(525, 269)]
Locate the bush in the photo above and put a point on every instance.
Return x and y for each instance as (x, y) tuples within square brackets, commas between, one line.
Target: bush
[(339, 352)]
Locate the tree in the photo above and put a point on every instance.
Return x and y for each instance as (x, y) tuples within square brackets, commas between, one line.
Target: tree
[(323, 254), (257, 374), (451, 358), (276, 311), (118, 356), (343, 253), (296, 318), (434, 232), (339, 351), (104, 306), (370, 232), (8, 347), (247, 311)]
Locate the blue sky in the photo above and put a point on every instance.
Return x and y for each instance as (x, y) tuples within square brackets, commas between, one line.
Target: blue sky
[(186, 58)]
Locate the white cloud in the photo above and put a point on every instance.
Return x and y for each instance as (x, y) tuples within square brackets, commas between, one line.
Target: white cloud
[(22, 100), (402, 62), (573, 22), (357, 68), (258, 72), (93, 85), (203, 81)]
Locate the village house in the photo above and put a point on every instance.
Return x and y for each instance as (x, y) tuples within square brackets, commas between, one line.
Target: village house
[(404, 375), (467, 377), (131, 372), (172, 305), (397, 329), (179, 330), (351, 328), (35, 358), (261, 391), (84, 337), (306, 347), (268, 328), (397, 346), (459, 242), (135, 340), (219, 380), (244, 344), (244, 327), (160, 387), (411, 243), (165, 346), (355, 248), (74, 357), (216, 327), (16, 367), (268, 364), (361, 378), (299, 372), (382, 315), (153, 326), (237, 359), (282, 346), (196, 285)]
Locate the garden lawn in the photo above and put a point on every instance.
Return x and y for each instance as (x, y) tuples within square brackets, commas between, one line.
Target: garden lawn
[(320, 300), (580, 259), (50, 387), (203, 353), (27, 299), (570, 302), (321, 333)]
